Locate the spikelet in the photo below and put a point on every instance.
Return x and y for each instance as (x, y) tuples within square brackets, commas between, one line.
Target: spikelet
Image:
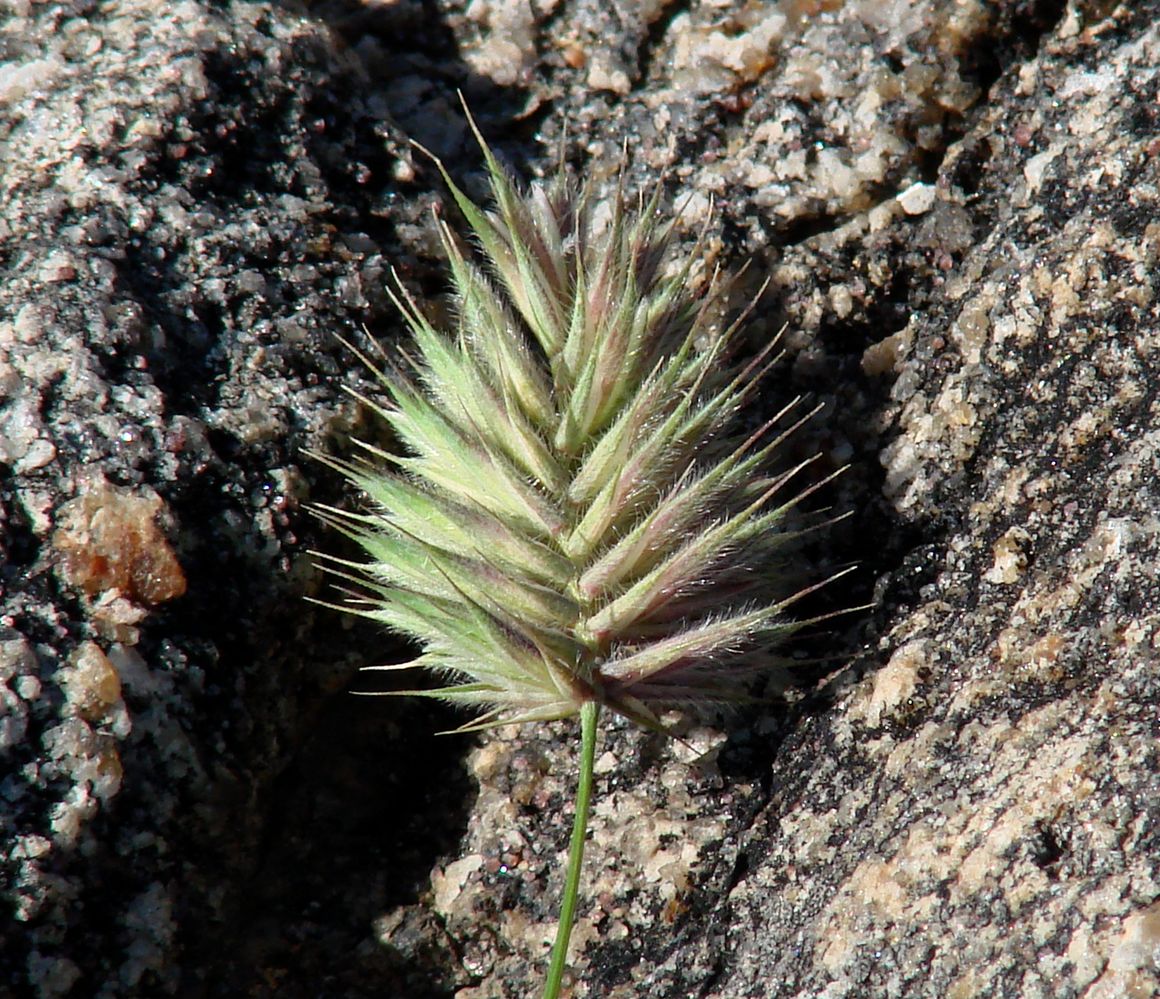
[(575, 517)]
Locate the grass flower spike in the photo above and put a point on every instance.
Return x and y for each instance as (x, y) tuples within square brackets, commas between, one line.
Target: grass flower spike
[(574, 522)]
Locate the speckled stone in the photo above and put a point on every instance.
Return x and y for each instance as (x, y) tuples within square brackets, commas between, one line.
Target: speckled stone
[(956, 204)]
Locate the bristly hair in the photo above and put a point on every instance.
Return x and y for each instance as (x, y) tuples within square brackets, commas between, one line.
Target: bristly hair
[(575, 517)]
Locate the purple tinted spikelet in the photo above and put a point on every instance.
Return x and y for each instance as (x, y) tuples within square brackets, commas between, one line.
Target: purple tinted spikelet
[(575, 517)]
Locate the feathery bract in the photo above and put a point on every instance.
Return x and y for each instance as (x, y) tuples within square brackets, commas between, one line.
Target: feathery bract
[(575, 517)]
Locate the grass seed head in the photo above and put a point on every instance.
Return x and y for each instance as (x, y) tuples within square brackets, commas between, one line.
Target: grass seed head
[(575, 516)]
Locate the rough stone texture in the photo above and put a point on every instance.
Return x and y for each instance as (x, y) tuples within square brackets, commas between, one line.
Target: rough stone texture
[(956, 202)]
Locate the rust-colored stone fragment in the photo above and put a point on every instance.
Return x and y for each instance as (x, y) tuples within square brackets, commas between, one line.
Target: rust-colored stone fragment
[(109, 540)]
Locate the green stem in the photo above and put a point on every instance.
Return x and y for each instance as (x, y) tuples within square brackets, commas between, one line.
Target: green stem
[(588, 714)]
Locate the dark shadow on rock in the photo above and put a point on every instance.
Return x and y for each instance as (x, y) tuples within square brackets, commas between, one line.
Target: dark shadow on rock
[(368, 804)]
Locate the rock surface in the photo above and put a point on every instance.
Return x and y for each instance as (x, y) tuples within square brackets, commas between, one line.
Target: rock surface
[(956, 203)]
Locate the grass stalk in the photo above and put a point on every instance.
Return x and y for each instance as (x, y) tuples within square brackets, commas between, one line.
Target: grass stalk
[(588, 715)]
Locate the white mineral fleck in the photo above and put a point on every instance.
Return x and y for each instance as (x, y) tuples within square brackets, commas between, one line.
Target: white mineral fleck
[(918, 199)]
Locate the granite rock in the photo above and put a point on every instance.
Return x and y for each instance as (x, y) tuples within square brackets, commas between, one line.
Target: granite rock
[(955, 203)]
